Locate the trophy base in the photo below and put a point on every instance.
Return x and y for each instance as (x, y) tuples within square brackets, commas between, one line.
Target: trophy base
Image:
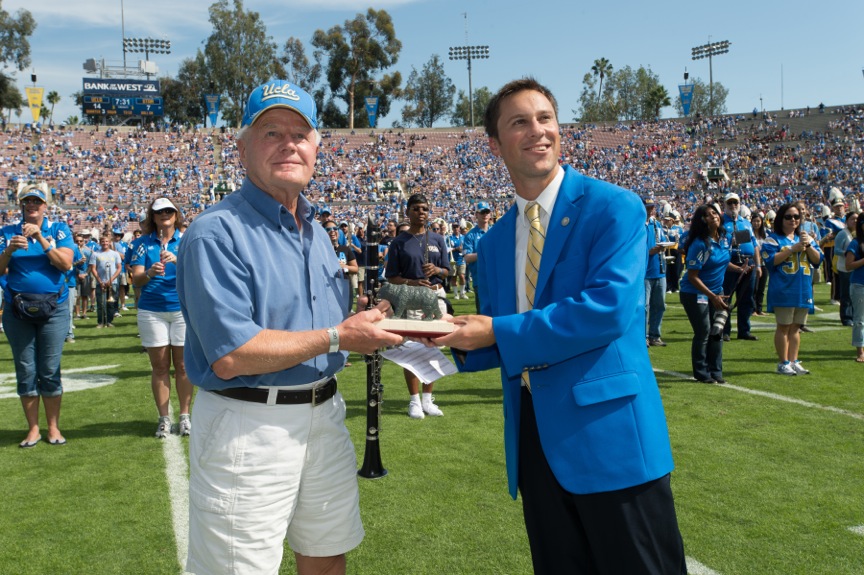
[(417, 327)]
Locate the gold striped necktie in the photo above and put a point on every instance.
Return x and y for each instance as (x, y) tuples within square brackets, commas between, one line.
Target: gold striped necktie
[(536, 239)]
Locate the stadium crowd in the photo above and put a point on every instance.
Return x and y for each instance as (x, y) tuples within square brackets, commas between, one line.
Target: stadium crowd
[(102, 180)]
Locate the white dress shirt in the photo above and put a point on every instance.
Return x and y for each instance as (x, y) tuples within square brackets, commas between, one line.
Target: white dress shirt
[(546, 199)]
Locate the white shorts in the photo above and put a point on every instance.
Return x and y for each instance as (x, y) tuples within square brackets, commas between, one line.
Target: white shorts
[(262, 474), (161, 328)]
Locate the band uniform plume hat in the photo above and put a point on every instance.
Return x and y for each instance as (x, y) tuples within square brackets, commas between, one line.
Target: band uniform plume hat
[(280, 94)]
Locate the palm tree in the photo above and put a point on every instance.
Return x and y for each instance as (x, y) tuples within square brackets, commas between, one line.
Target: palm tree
[(657, 97), (601, 68), (53, 98)]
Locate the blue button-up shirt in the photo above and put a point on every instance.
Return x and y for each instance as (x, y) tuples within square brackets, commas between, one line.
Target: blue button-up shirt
[(244, 266)]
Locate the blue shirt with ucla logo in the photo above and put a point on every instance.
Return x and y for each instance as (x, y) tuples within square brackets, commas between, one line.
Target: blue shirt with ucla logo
[(160, 293), (30, 270), (710, 258)]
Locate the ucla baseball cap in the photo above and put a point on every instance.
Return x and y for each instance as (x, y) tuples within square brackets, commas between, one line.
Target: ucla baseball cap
[(481, 206), (280, 94), (32, 192)]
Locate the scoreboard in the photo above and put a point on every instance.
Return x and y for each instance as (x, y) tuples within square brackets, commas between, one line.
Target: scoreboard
[(123, 106), (125, 98)]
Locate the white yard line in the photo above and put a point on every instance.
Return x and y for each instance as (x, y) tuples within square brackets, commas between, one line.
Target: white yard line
[(696, 568), (858, 529), (177, 474), (774, 396), (74, 370)]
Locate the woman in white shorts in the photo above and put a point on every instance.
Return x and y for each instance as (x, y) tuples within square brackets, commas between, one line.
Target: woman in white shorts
[(160, 322)]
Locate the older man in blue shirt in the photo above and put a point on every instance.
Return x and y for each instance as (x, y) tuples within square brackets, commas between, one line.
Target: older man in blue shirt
[(266, 307), (742, 275)]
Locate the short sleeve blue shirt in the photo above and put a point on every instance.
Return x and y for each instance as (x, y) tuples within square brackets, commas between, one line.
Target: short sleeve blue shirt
[(469, 246), (160, 293), (710, 258), (856, 276), (245, 266), (30, 270), (790, 284), (745, 249)]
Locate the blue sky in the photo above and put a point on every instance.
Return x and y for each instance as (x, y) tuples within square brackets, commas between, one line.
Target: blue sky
[(791, 54)]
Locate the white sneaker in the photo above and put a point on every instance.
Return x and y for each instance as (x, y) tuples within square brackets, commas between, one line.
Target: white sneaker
[(835, 302), (799, 369), (185, 426), (430, 408), (786, 368), (163, 430), (415, 411)]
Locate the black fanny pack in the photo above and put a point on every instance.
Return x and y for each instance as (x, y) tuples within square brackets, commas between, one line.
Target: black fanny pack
[(35, 307)]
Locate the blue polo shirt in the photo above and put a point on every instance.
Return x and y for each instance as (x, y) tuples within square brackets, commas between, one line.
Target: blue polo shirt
[(30, 270), (245, 266), (469, 246), (710, 258), (747, 249), (855, 276), (160, 293), (72, 274), (656, 264)]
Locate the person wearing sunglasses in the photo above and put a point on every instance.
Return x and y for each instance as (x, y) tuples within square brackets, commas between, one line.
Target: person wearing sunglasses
[(347, 259), (160, 321), (35, 254), (741, 277), (791, 257)]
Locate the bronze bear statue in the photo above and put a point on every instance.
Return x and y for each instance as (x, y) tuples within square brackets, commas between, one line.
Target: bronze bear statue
[(404, 297)]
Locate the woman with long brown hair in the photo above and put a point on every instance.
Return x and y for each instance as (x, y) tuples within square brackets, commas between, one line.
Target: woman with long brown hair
[(160, 322)]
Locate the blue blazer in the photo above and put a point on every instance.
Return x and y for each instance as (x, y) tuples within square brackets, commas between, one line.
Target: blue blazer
[(598, 408)]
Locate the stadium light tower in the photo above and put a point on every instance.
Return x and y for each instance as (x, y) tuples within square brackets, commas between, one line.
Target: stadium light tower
[(469, 53), (146, 45), (710, 50)]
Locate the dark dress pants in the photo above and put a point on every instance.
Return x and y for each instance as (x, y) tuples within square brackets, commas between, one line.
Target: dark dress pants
[(844, 297), (706, 353), (744, 297), (631, 531)]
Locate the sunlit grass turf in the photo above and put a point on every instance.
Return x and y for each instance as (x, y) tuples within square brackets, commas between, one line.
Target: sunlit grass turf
[(762, 486)]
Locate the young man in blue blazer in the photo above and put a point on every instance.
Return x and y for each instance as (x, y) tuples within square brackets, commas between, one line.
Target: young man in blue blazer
[(585, 433)]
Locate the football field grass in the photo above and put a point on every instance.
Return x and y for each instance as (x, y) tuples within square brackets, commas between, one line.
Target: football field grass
[(769, 475)]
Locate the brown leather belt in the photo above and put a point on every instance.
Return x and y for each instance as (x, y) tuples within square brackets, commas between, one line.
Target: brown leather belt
[(284, 396)]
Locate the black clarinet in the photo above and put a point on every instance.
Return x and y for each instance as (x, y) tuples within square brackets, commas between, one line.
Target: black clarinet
[(372, 467)]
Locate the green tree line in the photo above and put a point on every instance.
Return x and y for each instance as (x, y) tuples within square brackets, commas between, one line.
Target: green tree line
[(341, 67)]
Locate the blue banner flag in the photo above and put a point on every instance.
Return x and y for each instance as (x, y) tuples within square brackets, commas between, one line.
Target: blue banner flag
[(686, 91), (372, 110), (212, 107)]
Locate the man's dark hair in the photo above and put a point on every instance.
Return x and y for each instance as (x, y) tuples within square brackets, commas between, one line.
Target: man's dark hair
[(493, 109), (417, 199)]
